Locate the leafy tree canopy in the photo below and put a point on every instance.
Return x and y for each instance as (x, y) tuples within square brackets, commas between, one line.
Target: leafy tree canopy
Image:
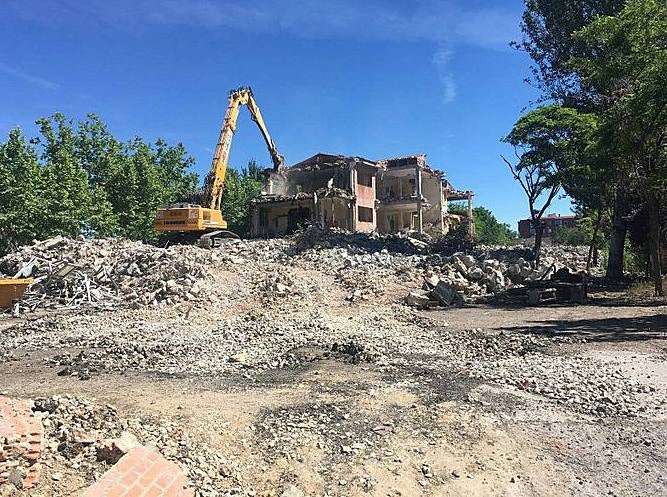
[(75, 179), (490, 231)]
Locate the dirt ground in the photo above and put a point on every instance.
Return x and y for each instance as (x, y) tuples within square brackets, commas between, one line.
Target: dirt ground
[(323, 426)]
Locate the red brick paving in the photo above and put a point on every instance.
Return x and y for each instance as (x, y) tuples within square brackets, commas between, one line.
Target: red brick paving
[(21, 435), (142, 473)]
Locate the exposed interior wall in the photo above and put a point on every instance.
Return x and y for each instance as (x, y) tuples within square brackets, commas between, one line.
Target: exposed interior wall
[(395, 220), (308, 180), (364, 191), (280, 218), (335, 212), (432, 213), (397, 187)]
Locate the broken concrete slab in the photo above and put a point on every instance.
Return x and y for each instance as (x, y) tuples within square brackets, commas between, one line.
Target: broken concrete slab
[(445, 293), (418, 298)]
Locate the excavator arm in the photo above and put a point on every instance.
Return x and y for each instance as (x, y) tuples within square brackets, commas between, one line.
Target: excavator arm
[(215, 180), (277, 159)]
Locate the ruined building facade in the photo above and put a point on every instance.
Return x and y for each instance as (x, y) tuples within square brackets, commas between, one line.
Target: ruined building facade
[(357, 194), (414, 197)]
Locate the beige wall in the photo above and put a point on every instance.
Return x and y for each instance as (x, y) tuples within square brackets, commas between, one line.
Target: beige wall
[(334, 212), (403, 219), (432, 192)]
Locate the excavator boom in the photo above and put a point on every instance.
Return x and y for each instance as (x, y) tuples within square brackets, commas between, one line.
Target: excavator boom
[(204, 222), (215, 179)]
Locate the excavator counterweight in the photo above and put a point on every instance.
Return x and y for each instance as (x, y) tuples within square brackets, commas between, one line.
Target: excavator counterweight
[(202, 222)]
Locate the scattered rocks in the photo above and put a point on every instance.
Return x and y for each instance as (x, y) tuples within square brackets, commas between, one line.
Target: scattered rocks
[(111, 450), (87, 437), (105, 273)]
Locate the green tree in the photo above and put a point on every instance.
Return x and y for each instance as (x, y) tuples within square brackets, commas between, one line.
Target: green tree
[(548, 27), (575, 235), (549, 143), (625, 63), (97, 151), (240, 189), (173, 169), (489, 231), (149, 191), (72, 207), (80, 180), (21, 197)]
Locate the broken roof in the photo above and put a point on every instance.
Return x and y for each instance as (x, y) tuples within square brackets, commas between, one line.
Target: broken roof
[(323, 160), (266, 198), (405, 161), (321, 193), (408, 161)]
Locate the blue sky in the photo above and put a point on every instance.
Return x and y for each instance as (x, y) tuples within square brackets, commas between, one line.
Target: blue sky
[(376, 79)]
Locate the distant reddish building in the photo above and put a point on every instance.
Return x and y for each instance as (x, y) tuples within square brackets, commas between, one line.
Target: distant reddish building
[(551, 223)]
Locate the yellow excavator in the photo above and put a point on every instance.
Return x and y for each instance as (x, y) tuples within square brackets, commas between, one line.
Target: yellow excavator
[(201, 222)]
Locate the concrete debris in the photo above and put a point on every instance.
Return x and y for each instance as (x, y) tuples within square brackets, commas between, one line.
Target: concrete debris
[(418, 298), (106, 273), (263, 340), (462, 277), (73, 422), (118, 273)]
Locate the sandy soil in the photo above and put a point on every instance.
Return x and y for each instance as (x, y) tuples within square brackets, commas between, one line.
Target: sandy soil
[(408, 431)]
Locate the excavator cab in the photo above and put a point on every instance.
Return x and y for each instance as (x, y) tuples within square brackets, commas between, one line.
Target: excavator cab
[(191, 223)]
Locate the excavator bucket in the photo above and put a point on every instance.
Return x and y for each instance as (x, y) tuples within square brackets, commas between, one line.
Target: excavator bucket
[(12, 290)]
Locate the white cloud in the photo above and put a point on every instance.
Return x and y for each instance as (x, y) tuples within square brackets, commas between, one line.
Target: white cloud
[(430, 20), (451, 23), (36, 80), (441, 61)]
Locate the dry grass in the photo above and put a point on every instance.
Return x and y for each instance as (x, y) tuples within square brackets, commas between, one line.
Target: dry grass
[(644, 288)]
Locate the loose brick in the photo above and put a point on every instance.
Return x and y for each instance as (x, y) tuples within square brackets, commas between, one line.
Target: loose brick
[(21, 434), (141, 473)]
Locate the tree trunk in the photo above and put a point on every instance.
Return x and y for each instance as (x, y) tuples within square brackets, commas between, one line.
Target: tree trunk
[(592, 250), (539, 230), (654, 243), (617, 239)]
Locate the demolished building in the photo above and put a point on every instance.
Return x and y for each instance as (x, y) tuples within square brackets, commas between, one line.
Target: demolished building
[(415, 197), (332, 190), (357, 194)]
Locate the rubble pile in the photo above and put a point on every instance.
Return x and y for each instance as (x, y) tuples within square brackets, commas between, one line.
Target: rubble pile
[(110, 273), (105, 272), (88, 437), (465, 277), (254, 341), (314, 237)]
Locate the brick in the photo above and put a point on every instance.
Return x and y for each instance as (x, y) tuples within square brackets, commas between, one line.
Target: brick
[(154, 473), (165, 480), (141, 473), (132, 477), (135, 491), (152, 455), (22, 435), (153, 492)]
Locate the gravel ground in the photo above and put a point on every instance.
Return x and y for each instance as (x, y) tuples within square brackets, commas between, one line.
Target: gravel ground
[(313, 378)]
